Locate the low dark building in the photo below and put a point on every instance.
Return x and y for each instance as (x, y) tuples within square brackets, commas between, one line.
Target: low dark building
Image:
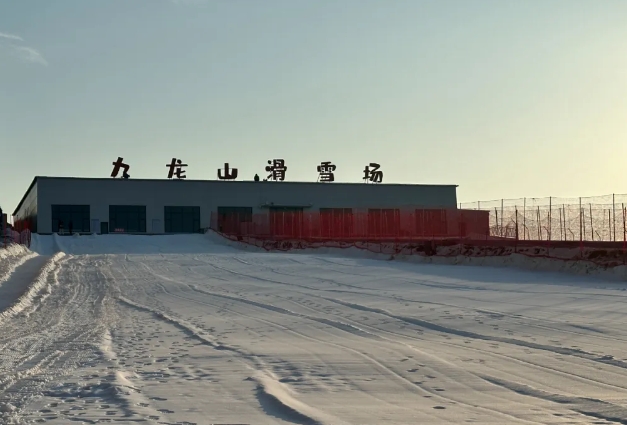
[(150, 206)]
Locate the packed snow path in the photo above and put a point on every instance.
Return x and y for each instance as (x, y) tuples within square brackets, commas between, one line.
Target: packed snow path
[(183, 330)]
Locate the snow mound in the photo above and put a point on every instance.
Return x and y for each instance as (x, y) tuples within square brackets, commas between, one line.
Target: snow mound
[(13, 250), (277, 400), (11, 258), (38, 289)]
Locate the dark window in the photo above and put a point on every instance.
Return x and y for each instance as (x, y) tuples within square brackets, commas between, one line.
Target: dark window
[(431, 223), (286, 222), (336, 222), (75, 216), (127, 218), (384, 222), (182, 219)]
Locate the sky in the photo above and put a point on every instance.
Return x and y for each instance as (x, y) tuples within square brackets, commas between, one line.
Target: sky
[(505, 98)]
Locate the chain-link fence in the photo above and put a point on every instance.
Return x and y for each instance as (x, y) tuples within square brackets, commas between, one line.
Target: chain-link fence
[(596, 218)]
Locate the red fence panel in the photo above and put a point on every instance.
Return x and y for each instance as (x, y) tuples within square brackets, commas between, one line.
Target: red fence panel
[(345, 225), (444, 232)]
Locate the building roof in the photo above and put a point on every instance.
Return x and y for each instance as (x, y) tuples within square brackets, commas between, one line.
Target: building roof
[(25, 195), (213, 181)]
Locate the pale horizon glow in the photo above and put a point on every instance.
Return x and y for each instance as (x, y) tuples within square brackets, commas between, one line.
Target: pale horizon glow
[(504, 98)]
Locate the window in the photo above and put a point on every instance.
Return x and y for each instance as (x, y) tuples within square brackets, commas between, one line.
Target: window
[(74, 216), (182, 219), (384, 222), (127, 218), (336, 222)]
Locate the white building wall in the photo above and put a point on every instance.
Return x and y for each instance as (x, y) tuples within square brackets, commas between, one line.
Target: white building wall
[(208, 195)]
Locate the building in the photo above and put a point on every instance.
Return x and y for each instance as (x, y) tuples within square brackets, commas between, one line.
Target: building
[(151, 206)]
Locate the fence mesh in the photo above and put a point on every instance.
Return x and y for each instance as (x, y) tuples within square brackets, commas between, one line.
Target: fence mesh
[(595, 218)]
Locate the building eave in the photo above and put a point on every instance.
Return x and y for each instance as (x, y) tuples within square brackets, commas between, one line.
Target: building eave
[(25, 195)]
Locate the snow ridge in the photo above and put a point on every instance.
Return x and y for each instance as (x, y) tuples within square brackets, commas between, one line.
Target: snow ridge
[(38, 290), (13, 257), (276, 399)]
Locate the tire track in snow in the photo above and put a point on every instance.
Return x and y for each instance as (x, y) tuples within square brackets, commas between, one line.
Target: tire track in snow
[(483, 351), (301, 335), (310, 288), (373, 293), (395, 406), (541, 367), (271, 393), (347, 328), (189, 329), (335, 324), (352, 329), (399, 377), (609, 360), (570, 374), (260, 364), (376, 293), (595, 408), (424, 324), (432, 326)]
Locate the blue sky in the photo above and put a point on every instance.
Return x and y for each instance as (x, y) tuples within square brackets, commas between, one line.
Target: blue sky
[(506, 98)]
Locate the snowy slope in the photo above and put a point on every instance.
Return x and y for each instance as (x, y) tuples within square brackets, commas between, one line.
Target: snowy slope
[(184, 329)]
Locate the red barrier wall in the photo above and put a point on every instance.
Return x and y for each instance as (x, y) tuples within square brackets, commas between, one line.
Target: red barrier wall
[(340, 224), (427, 232)]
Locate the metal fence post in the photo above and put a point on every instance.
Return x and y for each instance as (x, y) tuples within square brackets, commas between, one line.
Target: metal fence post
[(502, 217), (525, 218), (614, 214), (580, 227), (550, 228), (516, 245), (624, 231)]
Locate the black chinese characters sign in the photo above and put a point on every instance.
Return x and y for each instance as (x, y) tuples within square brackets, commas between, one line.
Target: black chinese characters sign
[(229, 173), (176, 168), (120, 164), (326, 172), (276, 170), (372, 173)]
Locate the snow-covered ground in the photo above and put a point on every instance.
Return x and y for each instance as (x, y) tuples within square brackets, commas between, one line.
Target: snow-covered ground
[(189, 330)]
